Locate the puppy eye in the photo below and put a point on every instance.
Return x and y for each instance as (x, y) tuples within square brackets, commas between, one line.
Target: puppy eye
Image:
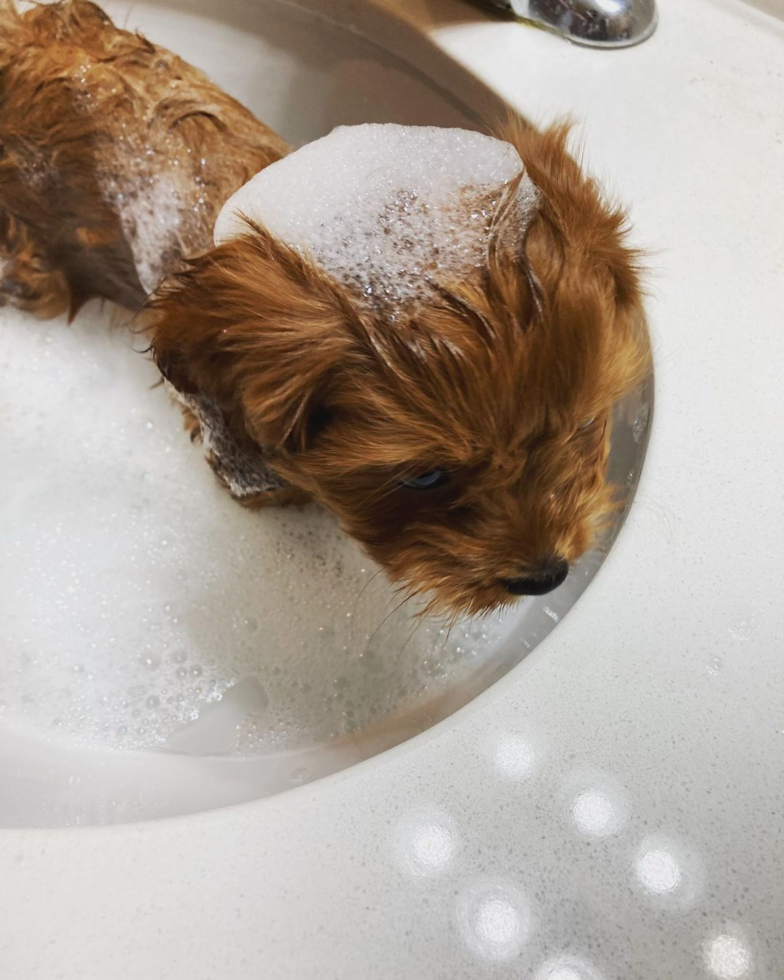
[(586, 424), (429, 480)]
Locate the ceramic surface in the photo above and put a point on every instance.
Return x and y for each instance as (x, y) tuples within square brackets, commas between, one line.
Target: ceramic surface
[(610, 810)]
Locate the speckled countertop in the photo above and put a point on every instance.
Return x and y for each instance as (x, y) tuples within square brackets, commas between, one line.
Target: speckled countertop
[(612, 809)]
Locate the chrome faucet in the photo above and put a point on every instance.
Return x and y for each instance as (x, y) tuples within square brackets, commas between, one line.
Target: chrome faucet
[(597, 23)]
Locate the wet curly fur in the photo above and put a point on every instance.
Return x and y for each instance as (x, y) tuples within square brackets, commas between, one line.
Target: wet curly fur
[(93, 120), (506, 384)]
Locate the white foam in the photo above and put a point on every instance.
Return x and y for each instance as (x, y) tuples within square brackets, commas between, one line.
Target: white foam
[(385, 209), (156, 186), (159, 195), (136, 598)]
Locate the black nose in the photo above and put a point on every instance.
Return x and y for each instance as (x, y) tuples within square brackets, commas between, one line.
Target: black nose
[(550, 577)]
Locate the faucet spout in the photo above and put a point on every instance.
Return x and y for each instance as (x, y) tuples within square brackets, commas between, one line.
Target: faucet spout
[(596, 23)]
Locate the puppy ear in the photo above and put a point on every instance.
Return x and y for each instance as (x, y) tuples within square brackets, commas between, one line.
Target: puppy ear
[(574, 208), (257, 331)]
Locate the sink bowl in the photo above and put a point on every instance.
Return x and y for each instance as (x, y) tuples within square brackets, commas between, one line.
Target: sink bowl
[(163, 651)]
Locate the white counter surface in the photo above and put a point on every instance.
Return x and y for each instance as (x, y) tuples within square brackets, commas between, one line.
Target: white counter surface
[(612, 809)]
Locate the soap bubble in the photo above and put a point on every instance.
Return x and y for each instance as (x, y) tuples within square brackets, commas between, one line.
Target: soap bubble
[(385, 209)]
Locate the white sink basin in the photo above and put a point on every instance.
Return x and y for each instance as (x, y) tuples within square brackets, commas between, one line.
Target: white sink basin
[(610, 809), (164, 651)]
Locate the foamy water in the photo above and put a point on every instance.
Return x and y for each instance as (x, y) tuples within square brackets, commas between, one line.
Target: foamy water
[(137, 599)]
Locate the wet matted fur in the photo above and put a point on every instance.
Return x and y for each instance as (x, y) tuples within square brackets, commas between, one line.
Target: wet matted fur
[(115, 158)]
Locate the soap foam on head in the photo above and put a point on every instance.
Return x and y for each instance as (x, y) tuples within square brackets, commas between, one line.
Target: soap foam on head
[(387, 210)]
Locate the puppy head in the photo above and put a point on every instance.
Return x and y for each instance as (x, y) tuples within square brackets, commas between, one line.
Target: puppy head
[(464, 446)]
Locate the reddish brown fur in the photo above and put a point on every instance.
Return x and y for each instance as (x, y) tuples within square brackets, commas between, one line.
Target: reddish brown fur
[(81, 104), (491, 382)]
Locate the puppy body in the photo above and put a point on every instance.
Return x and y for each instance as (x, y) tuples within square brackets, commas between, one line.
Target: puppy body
[(115, 158), (503, 386)]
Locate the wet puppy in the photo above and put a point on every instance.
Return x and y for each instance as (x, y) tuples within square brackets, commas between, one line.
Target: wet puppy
[(464, 444)]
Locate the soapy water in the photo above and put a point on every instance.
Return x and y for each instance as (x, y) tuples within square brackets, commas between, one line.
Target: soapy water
[(387, 210), (138, 601), (142, 608), (143, 614)]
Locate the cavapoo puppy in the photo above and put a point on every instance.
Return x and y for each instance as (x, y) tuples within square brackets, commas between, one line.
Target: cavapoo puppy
[(456, 421)]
